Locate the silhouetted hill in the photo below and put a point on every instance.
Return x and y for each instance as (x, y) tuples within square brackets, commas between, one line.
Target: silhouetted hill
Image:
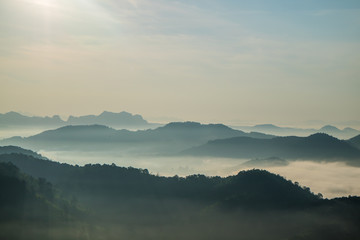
[(130, 203), (336, 132), (117, 120), (15, 149), (288, 131), (270, 127), (75, 133), (14, 119), (195, 130), (122, 119), (355, 141), (329, 128), (170, 138), (255, 188), (32, 208), (262, 189), (265, 162), (38, 167), (317, 146), (20, 190)]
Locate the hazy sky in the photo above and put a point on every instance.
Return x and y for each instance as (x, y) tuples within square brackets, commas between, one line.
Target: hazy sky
[(236, 62)]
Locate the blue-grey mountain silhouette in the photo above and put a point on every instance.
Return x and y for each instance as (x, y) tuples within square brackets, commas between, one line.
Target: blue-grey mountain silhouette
[(14, 119), (355, 141), (122, 119), (290, 131), (116, 120), (316, 146), (170, 138)]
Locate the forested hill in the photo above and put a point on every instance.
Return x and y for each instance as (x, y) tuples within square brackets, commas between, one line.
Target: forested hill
[(28, 204), (131, 203), (15, 149), (248, 188)]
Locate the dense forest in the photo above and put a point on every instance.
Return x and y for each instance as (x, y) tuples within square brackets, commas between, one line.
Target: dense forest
[(31, 208), (111, 202)]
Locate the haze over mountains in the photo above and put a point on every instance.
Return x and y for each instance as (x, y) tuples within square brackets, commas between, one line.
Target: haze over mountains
[(179, 171), (319, 146), (116, 120), (345, 133), (50, 200), (106, 201), (169, 139), (63, 174), (125, 120), (193, 139)]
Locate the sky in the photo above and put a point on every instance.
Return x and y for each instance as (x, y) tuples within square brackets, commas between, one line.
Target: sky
[(287, 62)]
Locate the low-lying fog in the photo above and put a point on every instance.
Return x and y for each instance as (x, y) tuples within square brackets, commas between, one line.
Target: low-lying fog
[(23, 132), (30, 131), (331, 179)]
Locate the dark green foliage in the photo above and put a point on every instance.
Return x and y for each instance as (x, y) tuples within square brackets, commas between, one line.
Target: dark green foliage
[(32, 208), (35, 198), (13, 192), (130, 203), (15, 149), (260, 189), (252, 189)]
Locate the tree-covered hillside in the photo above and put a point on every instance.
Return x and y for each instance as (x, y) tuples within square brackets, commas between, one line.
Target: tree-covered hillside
[(31, 208), (131, 203)]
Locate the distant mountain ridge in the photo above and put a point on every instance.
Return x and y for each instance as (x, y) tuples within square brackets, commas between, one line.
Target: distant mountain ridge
[(170, 138), (127, 120), (109, 119), (122, 119), (345, 133), (16, 119), (317, 146)]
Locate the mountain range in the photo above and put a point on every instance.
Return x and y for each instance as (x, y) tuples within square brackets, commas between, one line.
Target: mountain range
[(345, 133), (318, 146), (116, 120), (125, 120), (194, 139), (168, 139)]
